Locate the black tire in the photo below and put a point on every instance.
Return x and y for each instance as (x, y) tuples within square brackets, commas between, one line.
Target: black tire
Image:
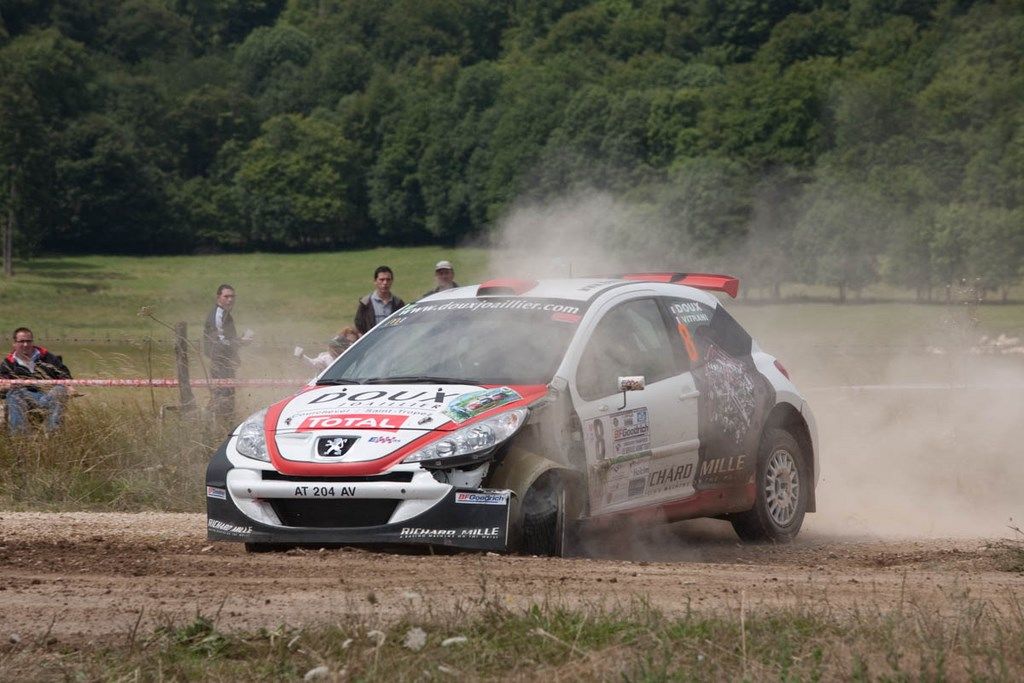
[(783, 486), (267, 547), (547, 527)]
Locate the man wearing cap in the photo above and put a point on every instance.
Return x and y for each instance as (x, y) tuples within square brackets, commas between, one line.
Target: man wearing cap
[(378, 304), (445, 275)]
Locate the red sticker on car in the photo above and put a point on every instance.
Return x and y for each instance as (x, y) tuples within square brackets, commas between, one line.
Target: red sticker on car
[(361, 421)]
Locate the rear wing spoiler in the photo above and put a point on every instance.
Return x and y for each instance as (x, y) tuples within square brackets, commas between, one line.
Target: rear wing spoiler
[(709, 281)]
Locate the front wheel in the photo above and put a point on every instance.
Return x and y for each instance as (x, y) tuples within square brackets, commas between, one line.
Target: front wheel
[(548, 524), (782, 490)]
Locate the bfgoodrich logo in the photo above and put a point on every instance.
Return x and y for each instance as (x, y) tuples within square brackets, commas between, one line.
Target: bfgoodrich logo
[(482, 498)]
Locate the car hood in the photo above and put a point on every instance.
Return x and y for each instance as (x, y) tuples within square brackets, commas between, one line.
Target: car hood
[(363, 429)]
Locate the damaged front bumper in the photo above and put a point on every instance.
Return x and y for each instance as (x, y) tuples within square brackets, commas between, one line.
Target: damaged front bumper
[(405, 507)]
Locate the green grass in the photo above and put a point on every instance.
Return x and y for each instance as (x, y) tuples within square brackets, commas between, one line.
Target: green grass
[(285, 297), (805, 642), (280, 296)]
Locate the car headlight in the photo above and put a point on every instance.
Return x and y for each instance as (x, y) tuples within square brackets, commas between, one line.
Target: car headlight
[(469, 443), (251, 440)]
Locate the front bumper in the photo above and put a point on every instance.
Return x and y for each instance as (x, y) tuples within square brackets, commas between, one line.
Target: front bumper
[(395, 508)]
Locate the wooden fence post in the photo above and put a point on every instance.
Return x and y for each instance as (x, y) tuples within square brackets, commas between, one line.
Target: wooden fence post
[(188, 400)]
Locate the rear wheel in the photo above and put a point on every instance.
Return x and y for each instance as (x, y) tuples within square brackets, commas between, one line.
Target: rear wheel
[(782, 489)]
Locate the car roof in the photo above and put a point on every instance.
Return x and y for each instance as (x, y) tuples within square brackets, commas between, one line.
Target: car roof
[(585, 290)]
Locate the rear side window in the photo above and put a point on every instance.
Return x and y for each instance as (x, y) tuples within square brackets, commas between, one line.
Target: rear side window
[(631, 339), (701, 326)]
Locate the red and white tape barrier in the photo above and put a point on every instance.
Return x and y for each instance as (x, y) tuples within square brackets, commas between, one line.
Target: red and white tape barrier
[(157, 382)]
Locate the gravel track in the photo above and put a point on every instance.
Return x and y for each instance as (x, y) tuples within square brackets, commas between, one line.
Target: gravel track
[(81, 577)]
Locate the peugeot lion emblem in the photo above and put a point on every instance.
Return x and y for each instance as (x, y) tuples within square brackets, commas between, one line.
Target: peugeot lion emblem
[(334, 446)]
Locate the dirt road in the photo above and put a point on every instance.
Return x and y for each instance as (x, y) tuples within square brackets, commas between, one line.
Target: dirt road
[(97, 577)]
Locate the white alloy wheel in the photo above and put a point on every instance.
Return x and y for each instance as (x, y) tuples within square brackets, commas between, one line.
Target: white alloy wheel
[(782, 487)]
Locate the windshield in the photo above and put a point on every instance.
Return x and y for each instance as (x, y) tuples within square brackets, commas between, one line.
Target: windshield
[(470, 341)]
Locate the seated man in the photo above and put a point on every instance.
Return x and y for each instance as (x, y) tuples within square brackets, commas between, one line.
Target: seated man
[(28, 361)]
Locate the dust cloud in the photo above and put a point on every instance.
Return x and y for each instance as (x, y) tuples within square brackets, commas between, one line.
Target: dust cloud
[(929, 446), (586, 234), (934, 458)]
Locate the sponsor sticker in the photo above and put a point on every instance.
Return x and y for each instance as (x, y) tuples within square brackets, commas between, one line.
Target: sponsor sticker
[(353, 421), (214, 492), (482, 497), (477, 532), (690, 313), (476, 402), (619, 434), (505, 305), (399, 398), (383, 439), (721, 470), (225, 528), (670, 475), (644, 477)]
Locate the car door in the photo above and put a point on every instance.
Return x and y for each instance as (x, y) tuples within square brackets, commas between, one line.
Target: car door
[(734, 397), (641, 446)]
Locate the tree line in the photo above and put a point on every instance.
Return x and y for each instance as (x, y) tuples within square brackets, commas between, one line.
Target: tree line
[(840, 142)]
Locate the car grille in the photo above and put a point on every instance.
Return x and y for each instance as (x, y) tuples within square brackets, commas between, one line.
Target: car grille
[(403, 477), (333, 513)]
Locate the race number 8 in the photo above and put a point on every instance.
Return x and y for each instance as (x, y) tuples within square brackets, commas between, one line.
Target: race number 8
[(599, 438)]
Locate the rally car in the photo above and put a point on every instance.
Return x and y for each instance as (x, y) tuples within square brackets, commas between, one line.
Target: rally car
[(504, 416)]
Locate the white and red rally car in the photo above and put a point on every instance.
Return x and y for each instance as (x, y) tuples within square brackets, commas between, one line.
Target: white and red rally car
[(501, 416)]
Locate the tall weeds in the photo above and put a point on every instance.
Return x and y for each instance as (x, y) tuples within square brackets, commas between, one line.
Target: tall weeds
[(117, 454)]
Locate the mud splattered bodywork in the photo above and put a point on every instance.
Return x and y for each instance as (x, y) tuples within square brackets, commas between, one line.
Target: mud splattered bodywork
[(499, 416)]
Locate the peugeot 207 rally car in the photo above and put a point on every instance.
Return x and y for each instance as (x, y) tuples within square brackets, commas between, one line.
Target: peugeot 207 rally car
[(503, 415)]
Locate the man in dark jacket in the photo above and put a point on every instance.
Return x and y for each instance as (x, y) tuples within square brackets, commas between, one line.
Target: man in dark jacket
[(378, 304), (28, 361), (220, 344)]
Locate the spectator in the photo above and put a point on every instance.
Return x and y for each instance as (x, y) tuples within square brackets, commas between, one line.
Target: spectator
[(378, 304), (445, 275), (28, 361), (335, 347), (220, 344)]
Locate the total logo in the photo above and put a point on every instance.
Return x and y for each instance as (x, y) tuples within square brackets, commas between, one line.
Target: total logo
[(353, 421)]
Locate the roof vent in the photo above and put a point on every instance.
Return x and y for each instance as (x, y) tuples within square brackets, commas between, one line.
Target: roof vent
[(505, 287)]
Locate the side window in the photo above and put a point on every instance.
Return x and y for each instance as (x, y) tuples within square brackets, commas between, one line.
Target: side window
[(729, 335), (631, 339), (701, 326)]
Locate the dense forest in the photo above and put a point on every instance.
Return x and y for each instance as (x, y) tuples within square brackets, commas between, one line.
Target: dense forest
[(839, 142)]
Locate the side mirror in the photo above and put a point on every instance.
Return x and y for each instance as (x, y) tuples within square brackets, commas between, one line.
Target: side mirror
[(630, 383)]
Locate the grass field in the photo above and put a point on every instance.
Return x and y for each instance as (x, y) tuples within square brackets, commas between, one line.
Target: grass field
[(281, 296), (87, 309)]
